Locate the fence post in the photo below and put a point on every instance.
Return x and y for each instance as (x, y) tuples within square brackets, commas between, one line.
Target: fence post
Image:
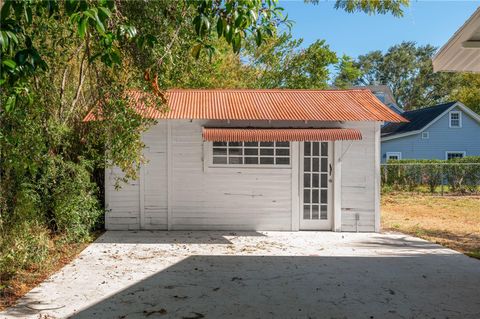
[(442, 178)]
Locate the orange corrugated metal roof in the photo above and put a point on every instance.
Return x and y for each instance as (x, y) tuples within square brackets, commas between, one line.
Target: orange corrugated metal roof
[(279, 134), (269, 105)]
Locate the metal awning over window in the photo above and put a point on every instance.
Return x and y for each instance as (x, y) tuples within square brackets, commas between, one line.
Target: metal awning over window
[(279, 134)]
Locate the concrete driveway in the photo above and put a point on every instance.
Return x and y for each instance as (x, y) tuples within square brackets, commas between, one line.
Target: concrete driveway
[(258, 275)]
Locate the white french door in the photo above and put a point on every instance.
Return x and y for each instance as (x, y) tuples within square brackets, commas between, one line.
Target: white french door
[(316, 186)]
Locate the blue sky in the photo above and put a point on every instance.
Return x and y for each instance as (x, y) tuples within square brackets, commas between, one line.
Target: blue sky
[(426, 22)]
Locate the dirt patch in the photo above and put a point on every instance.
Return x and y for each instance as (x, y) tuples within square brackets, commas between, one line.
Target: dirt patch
[(452, 221)]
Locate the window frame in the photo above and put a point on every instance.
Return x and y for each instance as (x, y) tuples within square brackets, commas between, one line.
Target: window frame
[(382, 96), (425, 135), (209, 158), (459, 119), (464, 153), (397, 154)]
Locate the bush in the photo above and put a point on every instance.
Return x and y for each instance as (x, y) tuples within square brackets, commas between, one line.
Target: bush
[(26, 244), (465, 176), (75, 207), (62, 204), (432, 175), (461, 175)]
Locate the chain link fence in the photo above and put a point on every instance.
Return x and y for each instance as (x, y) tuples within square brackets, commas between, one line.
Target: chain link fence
[(437, 177)]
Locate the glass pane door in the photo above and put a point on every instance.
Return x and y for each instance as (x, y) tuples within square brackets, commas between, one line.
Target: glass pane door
[(316, 170)]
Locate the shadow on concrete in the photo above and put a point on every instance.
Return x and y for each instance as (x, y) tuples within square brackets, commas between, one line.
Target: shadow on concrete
[(173, 237), (420, 286), (402, 242)]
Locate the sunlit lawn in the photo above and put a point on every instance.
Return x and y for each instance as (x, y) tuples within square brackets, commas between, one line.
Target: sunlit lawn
[(452, 221)]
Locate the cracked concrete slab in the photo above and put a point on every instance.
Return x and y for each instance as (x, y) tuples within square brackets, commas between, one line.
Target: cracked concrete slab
[(258, 275)]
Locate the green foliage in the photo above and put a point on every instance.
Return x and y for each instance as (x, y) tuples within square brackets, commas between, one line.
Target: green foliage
[(407, 69), (19, 30), (27, 245), (74, 207), (224, 70), (281, 63), (432, 176), (234, 21), (461, 175), (110, 30), (468, 92), (39, 183), (395, 7), (464, 178), (309, 68), (347, 73)]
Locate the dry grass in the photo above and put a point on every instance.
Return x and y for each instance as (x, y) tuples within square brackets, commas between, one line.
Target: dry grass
[(452, 221), (22, 282)]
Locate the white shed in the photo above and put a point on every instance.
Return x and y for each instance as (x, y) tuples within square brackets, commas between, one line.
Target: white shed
[(255, 160)]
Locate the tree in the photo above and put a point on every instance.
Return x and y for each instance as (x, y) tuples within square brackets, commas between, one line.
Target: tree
[(395, 7), (282, 63), (468, 92), (308, 69), (407, 69), (104, 25), (347, 72)]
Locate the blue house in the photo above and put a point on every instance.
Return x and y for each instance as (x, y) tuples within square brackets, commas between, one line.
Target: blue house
[(442, 131)]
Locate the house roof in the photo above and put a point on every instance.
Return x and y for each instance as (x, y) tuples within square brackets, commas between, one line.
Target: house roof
[(292, 105), (418, 119), (384, 94), (462, 51), (279, 134)]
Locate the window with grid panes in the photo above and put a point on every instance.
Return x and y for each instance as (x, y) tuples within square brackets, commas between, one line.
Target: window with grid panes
[(455, 119), (251, 153)]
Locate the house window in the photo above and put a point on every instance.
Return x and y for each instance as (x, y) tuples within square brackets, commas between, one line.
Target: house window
[(425, 135), (450, 155), (380, 95), (251, 153), (455, 119), (394, 156)]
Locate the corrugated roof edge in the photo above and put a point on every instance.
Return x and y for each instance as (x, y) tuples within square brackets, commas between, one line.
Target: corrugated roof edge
[(386, 114), (227, 134), (266, 90)]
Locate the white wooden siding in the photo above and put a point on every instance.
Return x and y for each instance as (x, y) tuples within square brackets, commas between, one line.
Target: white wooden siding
[(203, 197), (155, 177), (358, 180), (224, 198), (123, 207)]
